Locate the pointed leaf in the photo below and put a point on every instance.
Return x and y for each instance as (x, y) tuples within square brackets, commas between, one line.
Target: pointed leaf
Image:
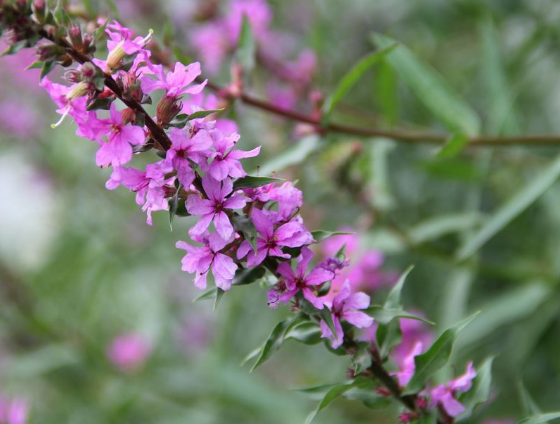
[(480, 390), (321, 235), (246, 47), (526, 196), (352, 77), (431, 89), (394, 298), (436, 357), (453, 146), (540, 419), (274, 342), (245, 276), (384, 315), (219, 294), (253, 182), (331, 395)]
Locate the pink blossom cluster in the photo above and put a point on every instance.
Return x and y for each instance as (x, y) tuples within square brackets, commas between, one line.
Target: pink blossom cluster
[(239, 226)]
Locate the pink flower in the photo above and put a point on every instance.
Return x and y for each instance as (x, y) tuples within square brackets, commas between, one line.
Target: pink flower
[(211, 44), (176, 82), (346, 305), (294, 282), (121, 36), (117, 150), (214, 208), (149, 185), (291, 234), (257, 11), (13, 411), (185, 149), (128, 352), (444, 395), (201, 259), (407, 365), (225, 160)]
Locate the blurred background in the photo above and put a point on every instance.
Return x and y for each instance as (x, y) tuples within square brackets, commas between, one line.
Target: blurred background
[(97, 322)]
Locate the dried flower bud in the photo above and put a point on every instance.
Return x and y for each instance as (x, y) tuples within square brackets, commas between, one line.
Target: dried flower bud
[(75, 34), (49, 52)]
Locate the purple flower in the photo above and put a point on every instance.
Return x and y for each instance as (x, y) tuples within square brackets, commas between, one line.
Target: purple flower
[(117, 150), (294, 282), (346, 305), (291, 234), (444, 395), (225, 161), (121, 44), (185, 149), (213, 209), (175, 83), (149, 185), (407, 365), (201, 259), (13, 411), (289, 199), (128, 352)]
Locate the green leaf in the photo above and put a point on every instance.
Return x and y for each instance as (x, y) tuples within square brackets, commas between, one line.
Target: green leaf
[(253, 182), (246, 47), (388, 336), (386, 87), (452, 168), (292, 156), (351, 78), (202, 114), (274, 342), (206, 295), (385, 316), (306, 332), (60, 15), (243, 224), (506, 213), (528, 405), (244, 276), (335, 392), (436, 357), (431, 89), (321, 235), (540, 419), (14, 48), (326, 316), (219, 294), (394, 298), (453, 146), (35, 65), (47, 68), (480, 390), (361, 360)]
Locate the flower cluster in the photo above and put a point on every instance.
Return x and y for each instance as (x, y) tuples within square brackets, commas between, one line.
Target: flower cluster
[(243, 224)]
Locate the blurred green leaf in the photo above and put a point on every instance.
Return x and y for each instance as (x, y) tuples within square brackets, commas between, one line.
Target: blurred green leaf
[(334, 393), (388, 336), (528, 405), (453, 146), (244, 276), (441, 225), (386, 88), (306, 332), (394, 298), (274, 341), (246, 48), (351, 78), (540, 419), (219, 294), (452, 168), (320, 235), (361, 360), (511, 209), (431, 88), (435, 358), (292, 156), (384, 315), (36, 363)]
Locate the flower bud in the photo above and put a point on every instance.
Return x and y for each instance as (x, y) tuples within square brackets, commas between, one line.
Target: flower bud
[(128, 116), (49, 52), (75, 34), (39, 11), (167, 109), (73, 75), (79, 90), (116, 56)]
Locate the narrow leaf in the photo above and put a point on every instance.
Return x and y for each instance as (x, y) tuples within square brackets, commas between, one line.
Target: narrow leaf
[(352, 77), (480, 390), (203, 113), (453, 146), (246, 48), (512, 209), (431, 89), (394, 298), (540, 419), (331, 395), (208, 294), (321, 235), (436, 357), (273, 343), (253, 182), (245, 276), (219, 294), (385, 316), (292, 156)]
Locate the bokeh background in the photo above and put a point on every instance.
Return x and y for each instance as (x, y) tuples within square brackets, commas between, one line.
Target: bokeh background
[(80, 270)]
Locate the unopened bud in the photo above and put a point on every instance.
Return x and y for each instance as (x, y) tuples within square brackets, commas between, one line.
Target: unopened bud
[(49, 52), (75, 34), (128, 116), (88, 70), (39, 11), (167, 109), (79, 90), (73, 76)]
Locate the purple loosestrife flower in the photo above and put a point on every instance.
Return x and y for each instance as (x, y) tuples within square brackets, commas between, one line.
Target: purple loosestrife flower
[(225, 161), (270, 242), (128, 352), (185, 149), (294, 282), (176, 82), (346, 305), (444, 395), (117, 150), (122, 44), (201, 259), (407, 365), (214, 208), (149, 185)]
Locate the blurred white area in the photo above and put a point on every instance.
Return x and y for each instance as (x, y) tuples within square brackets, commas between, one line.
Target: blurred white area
[(29, 211)]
